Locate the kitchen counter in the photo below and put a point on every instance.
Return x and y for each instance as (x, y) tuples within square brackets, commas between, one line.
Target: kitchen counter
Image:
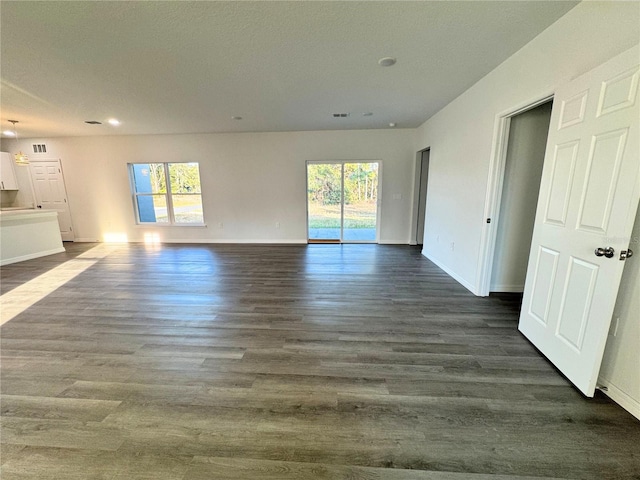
[(2, 209), (28, 233), (6, 212)]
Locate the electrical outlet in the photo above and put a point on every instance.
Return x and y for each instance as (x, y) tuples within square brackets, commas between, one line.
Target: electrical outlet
[(220, 225), (453, 246), (277, 224)]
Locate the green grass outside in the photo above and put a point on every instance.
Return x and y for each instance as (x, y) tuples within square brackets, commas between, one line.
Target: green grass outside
[(357, 215)]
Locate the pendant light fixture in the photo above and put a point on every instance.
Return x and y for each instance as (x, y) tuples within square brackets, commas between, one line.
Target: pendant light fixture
[(21, 158)]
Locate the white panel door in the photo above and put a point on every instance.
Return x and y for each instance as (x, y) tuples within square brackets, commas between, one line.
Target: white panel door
[(588, 199), (51, 194)]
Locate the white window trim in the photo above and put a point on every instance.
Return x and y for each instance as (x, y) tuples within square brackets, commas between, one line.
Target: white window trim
[(168, 197)]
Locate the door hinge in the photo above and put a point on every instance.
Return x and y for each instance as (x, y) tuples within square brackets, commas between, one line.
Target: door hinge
[(65, 200)]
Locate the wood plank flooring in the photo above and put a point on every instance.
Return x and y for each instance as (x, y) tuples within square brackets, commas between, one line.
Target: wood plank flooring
[(196, 362)]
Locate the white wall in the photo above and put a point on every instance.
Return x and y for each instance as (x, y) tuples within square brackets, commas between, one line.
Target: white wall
[(523, 170), (461, 135), (620, 370), (250, 181)]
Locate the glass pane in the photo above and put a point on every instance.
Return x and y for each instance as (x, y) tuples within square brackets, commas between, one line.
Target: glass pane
[(187, 208), (324, 193), (185, 178), (360, 202), (152, 208), (149, 178)]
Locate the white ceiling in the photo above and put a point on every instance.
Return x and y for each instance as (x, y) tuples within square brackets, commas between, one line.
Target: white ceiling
[(188, 67)]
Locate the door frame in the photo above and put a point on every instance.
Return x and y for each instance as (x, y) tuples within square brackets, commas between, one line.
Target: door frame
[(342, 162), (495, 184), (33, 189)]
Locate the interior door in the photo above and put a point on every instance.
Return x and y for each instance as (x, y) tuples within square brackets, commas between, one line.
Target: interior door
[(51, 194), (588, 199)]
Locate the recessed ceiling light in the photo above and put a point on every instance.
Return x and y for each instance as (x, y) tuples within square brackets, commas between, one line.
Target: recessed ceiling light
[(93, 122), (9, 133), (387, 61), (236, 118), (367, 114), (392, 124), (114, 122)]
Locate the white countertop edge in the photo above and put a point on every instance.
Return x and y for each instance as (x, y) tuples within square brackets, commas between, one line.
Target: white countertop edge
[(11, 215)]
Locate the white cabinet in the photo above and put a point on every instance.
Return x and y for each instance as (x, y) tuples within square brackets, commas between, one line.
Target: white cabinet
[(8, 180)]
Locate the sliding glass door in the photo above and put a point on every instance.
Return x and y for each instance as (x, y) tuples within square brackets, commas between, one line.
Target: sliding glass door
[(360, 205), (342, 202)]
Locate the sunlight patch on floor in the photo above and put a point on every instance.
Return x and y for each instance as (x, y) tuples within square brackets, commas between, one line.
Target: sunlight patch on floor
[(20, 298)]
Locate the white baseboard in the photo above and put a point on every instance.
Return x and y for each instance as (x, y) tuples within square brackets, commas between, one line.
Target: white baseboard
[(31, 256), (203, 241), (232, 240), (507, 288), (627, 402), (451, 273)]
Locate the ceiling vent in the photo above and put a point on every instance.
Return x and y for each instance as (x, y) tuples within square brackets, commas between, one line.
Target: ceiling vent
[(39, 148), (341, 115)]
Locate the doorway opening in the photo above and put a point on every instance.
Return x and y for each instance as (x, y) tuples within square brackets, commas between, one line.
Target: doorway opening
[(513, 197), (526, 144), (422, 176), (342, 201)]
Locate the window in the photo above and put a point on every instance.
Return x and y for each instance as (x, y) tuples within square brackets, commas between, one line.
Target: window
[(176, 202)]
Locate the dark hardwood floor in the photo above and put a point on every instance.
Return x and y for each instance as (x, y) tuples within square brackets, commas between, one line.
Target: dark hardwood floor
[(202, 362), (16, 274)]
